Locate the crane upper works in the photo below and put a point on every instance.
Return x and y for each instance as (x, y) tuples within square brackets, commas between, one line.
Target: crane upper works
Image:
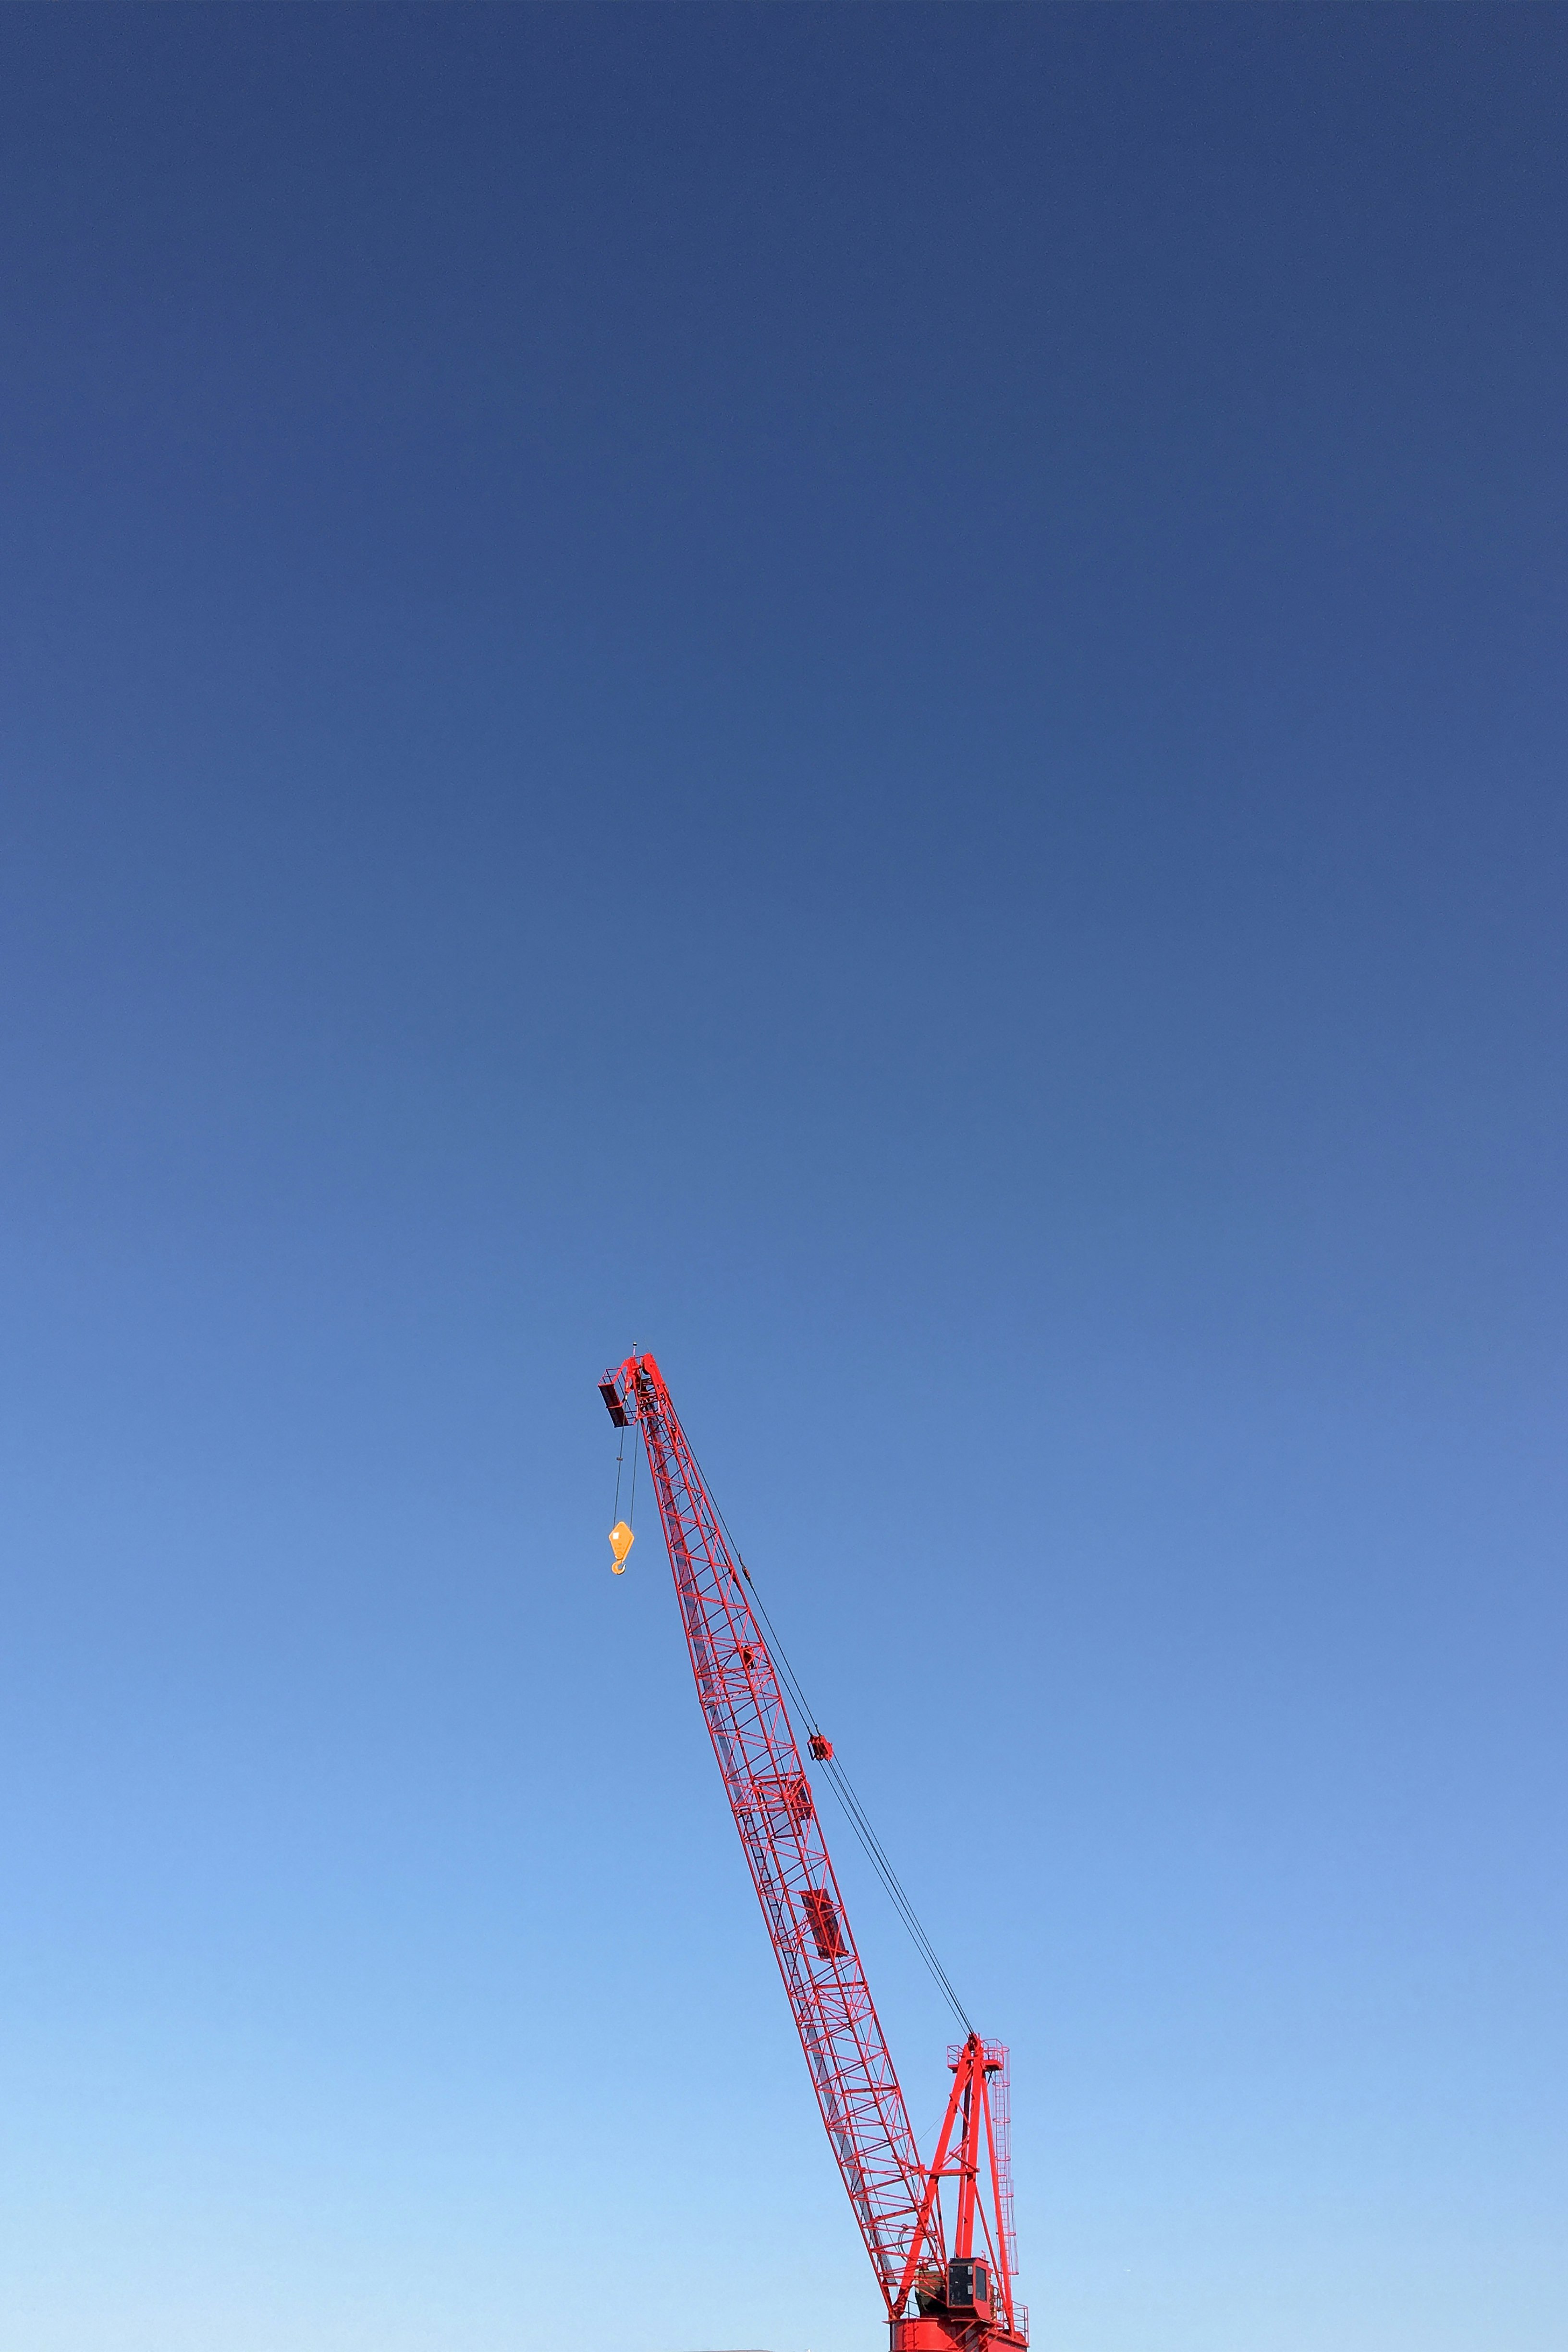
[(961, 2288)]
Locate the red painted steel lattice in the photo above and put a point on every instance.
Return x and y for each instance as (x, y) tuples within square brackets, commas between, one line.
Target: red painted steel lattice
[(896, 2199)]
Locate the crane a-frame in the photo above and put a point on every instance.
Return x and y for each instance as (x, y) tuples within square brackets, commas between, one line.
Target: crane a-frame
[(961, 2289)]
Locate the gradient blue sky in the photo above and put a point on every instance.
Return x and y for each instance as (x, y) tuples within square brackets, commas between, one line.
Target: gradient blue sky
[(875, 696)]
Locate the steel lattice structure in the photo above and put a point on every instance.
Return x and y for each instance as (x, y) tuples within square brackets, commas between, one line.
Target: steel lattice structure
[(965, 2301)]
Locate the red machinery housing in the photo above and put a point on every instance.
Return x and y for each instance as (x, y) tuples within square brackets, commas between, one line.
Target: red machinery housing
[(961, 2291)]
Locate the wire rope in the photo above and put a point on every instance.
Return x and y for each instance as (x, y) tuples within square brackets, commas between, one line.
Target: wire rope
[(838, 1781)]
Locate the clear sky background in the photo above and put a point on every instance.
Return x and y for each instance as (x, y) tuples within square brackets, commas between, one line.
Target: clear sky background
[(874, 696)]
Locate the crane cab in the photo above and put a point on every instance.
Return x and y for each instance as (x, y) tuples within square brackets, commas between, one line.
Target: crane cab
[(969, 2289)]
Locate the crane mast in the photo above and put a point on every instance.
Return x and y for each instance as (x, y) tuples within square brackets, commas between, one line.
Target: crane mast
[(963, 2298)]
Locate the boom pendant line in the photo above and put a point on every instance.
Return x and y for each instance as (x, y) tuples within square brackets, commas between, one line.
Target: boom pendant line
[(964, 2301)]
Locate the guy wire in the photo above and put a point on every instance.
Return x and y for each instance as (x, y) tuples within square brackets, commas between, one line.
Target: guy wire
[(838, 1779)]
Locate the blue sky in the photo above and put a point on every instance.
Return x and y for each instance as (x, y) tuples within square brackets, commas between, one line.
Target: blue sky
[(873, 696)]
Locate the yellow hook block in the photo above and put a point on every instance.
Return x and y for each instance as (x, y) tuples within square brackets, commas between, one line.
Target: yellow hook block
[(621, 1542)]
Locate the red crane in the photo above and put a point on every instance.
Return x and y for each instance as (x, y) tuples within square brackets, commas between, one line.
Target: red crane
[(963, 2298)]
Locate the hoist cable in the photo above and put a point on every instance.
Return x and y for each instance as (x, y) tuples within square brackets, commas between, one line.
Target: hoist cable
[(838, 1779), (860, 1822)]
